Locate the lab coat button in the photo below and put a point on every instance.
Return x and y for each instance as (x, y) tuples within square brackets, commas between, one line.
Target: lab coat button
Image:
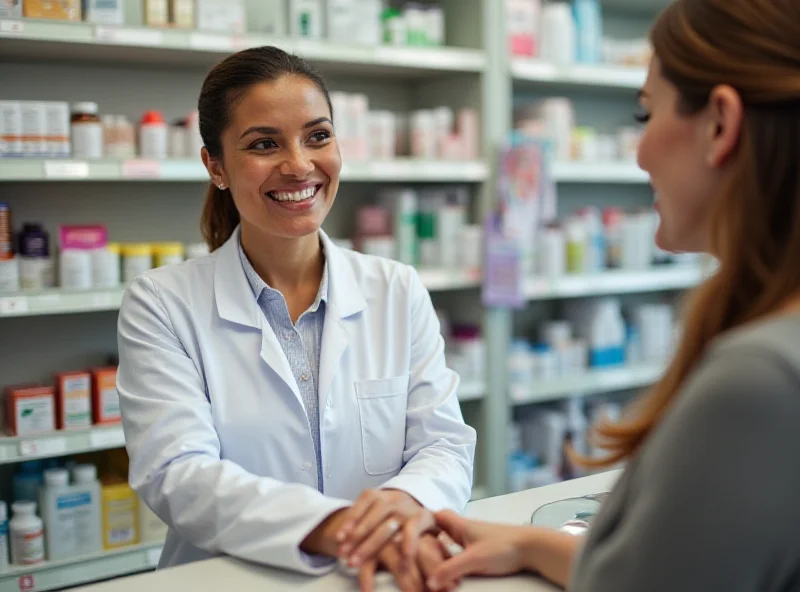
[(304, 377)]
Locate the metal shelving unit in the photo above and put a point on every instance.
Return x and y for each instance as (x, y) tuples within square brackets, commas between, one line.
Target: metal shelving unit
[(592, 382), (55, 575), (405, 170)]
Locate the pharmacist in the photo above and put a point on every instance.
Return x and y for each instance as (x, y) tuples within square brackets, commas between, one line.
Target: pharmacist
[(269, 386)]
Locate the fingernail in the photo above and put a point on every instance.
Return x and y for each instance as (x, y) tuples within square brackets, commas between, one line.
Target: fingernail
[(340, 536), (346, 549), (355, 561), (433, 584)]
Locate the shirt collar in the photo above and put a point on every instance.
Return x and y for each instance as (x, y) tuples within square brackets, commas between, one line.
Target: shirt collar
[(259, 286)]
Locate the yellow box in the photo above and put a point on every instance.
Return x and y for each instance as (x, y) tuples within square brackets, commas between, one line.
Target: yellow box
[(64, 10), (120, 515)]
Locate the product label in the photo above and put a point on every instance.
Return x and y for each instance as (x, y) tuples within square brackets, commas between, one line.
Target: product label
[(12, 26), (77, 401), (35, 414), (109, 403), (43, 447), (120, 522), (66, 169), (71, 501), (29, 546), (13, 305)]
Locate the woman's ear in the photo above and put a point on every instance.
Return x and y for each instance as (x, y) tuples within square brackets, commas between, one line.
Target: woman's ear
[(214, 168), (726, 114)]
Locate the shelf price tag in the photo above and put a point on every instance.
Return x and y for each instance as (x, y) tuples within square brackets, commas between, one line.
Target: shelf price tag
[(107, 438), (27, 583), (206, 42), (129, 36), (66, 169), (141, 169), (12, 26), (13, 305), (43, 447)]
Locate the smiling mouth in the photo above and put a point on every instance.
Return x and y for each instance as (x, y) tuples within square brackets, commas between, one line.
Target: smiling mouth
[(294, 196)]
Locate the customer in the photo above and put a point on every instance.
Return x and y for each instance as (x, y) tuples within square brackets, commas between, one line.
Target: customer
[(709, 498), (268, 386)]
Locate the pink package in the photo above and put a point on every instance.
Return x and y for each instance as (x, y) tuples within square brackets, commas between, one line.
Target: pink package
[(83, 238)]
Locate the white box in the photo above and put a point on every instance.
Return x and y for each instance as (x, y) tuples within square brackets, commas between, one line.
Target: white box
[(181, 14), (369, 27), (10, 129), (341, 18), (156, 13), (34, 128), (57, 120), (267, 16), (222, 16), (10, 9), (305, 18), (104, 12)]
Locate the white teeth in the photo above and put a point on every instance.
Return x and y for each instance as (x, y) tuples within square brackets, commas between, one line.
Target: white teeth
[(293, 195)]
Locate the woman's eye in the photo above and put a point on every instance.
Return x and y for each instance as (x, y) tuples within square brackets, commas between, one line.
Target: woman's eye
[(320, 136), (642, 117), (263, 145)]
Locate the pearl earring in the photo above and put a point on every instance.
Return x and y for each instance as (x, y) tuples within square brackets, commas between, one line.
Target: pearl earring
[(221, 186)]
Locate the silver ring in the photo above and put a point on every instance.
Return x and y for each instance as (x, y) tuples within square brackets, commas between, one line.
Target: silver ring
[(392, 525)]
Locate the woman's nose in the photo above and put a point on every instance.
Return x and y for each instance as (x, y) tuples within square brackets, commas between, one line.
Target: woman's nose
[(297, 164)]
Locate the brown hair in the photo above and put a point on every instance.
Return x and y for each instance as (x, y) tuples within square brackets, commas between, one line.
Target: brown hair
[(223, 87), (754, 47)]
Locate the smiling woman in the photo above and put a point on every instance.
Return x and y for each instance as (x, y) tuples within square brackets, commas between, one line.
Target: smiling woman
[(284, 400)]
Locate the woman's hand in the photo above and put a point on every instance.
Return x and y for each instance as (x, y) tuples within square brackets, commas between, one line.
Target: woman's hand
[(489, 549), (410, 574), (375, 519)]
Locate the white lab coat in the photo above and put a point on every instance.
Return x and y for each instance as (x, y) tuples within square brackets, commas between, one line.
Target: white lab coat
[(216, 429)]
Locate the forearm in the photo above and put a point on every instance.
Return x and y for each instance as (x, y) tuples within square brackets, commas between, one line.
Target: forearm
[(551, 553), (322, 540)]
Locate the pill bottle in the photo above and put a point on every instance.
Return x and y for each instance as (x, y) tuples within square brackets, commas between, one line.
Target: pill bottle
[(106, 266), (136, 259), (35, 264), (87, 131), (153, 136), (167, 254), (27, 534)]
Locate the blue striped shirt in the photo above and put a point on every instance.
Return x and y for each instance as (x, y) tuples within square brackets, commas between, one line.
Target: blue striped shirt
[(301, 343)]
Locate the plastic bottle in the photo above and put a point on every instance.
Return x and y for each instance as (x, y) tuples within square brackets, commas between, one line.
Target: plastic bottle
[(57, 514), (27, 534), (3, 537), (88, 529), (35, 263), (86, 130), (404, 218), (153, 136), (26, 481), (589, 31)]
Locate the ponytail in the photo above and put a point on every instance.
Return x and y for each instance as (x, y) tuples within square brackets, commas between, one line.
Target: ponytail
[(219, 218)]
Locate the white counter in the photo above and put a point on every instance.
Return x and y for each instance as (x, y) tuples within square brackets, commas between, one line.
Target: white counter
[(232, 575)]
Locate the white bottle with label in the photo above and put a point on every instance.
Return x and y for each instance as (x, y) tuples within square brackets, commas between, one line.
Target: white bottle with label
[(88, 527), (3, 537), (27, 534)]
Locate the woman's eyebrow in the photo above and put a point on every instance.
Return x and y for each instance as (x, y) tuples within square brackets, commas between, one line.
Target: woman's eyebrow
[(274, 130)]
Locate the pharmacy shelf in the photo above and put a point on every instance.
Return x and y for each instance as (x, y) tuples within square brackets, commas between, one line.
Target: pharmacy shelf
[(61, 443), (599, 172), (590, 76), (471, 391), (592, 382), (478, 493), (56, 302), (83, 42), (656, 279), (57, 575), (406, 170)]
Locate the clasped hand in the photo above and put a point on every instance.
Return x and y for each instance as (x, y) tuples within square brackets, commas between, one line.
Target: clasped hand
[(389, 529)]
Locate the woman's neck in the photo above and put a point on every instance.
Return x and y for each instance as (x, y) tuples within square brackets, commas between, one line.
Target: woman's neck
[(289, 265)]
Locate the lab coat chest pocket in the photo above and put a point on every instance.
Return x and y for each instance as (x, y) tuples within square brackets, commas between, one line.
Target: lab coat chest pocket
[(382, 410)]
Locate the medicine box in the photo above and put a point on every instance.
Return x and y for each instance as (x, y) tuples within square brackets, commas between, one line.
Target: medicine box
[(267, 16), (30, 410), (223, 16), (64, 10), (105, 399), (73, 400), (104, 12), (305, 18), (57, 122), (10, 128), (181, 13), (156, 13), (10, 8), (34, 128)]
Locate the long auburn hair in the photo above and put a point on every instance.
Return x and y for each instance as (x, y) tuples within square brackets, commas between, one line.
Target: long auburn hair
[(754, 47)]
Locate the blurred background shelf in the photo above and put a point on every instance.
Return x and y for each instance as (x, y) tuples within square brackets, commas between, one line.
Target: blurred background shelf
[(590, 76), (666, 277), (64, 41), (592, 382), (59, 574), (401, 170), (61, 443), (599, 172)]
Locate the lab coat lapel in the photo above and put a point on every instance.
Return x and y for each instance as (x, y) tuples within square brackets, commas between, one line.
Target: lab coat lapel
[(345, 301), (236, 304)]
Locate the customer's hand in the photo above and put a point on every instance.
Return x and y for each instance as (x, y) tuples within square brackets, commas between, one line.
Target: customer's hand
[(410, 574), (375, 519), (489, 549)]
